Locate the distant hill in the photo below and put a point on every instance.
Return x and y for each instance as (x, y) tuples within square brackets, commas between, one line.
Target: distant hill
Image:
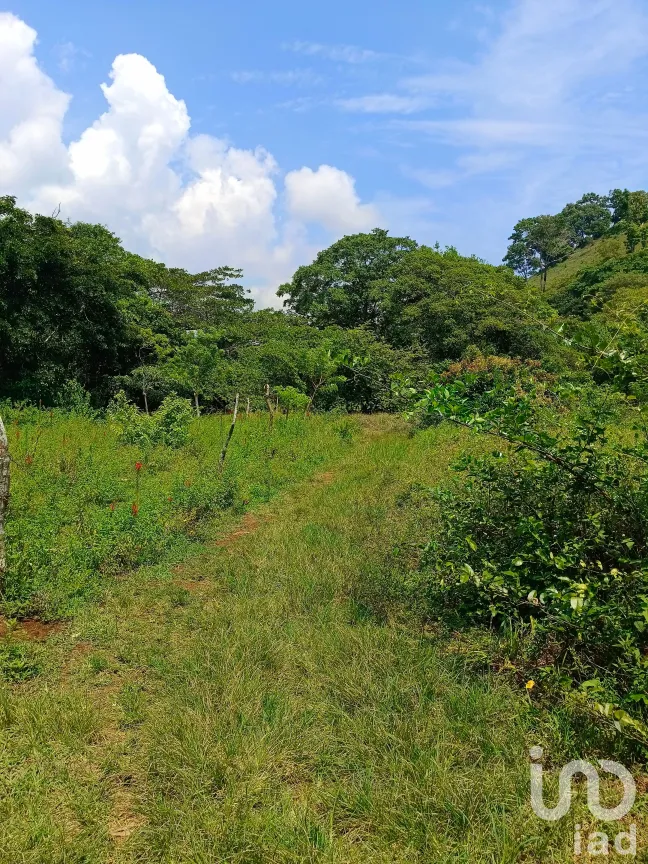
[(593, 255)]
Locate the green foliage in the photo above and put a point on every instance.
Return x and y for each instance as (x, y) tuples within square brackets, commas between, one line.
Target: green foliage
[(171, 422), (168, 426), (446, 303), (343, 285), (61, 294), (594, 286), (291, 399), (17, 661), (633, 237), (195, 366), (589, 218), (87, 505), (538, 243), (549, 531), (74, 399), (203, 300)]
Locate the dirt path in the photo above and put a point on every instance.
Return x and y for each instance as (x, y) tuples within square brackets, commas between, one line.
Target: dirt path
[(245, 709)]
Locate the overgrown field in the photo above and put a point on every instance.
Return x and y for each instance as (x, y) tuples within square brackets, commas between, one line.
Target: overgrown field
[(86, 507), (247, 708)]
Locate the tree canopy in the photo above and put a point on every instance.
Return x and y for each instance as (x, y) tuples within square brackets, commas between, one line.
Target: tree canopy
[(78, 310), (345, 283)]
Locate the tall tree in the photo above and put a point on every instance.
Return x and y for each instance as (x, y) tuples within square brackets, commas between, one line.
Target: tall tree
[(63, 292), (196, 366), (445, 303), (344, 284), (521, 258), (638, 207), (589, 218), (619, 201), (209, 299), (545, 239)]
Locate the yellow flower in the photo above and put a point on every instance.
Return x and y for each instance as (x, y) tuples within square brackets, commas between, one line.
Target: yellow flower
[(530, 685)]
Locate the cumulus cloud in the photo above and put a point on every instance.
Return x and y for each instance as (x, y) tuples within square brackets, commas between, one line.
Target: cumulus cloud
[(328, 196), (31, 112), (192, 201)]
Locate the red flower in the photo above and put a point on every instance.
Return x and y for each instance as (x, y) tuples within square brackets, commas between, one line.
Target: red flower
[(112, 507), (138, 466), (135, 509), (29, 459), (170, 498)]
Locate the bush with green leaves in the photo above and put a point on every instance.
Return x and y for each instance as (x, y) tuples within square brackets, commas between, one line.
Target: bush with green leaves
[(292, 399), (74, 399), (169, 425), (549, 532)]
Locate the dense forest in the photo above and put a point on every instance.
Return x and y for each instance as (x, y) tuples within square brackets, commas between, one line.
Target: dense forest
[(79, 314), (77, 310)]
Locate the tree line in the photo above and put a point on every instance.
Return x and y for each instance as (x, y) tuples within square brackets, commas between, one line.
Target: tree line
[(540, 242), (79, 314)]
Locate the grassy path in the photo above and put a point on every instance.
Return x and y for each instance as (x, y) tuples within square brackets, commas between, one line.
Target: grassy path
[(243, 709)]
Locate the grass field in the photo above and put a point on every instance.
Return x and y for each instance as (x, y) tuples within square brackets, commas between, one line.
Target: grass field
[(243, 707), (86, 508)]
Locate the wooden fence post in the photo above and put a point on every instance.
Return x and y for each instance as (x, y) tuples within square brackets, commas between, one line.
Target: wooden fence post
[(221, 461), (269, 404), (5, 474)]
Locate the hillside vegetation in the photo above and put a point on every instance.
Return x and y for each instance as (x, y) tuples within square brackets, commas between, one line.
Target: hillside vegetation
[(291, 573)]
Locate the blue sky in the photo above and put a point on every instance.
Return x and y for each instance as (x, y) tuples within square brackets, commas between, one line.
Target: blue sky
[(253, 134)]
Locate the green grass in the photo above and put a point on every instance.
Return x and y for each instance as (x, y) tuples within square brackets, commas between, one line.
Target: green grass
[(592, 255), (245, 708), (85, 508)]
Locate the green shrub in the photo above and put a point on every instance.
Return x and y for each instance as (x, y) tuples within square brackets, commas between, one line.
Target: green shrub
[(169, 425), (17, 662), (549, 533), (291, 399), (74, 399)]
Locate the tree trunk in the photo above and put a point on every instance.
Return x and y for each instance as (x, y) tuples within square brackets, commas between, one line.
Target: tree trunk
[(316, 387), (247, 407), (197, 404), (4, 499), (223, 454), (146, 402)]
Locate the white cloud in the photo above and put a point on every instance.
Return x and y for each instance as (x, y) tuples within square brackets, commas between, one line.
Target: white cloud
[(544, 104), (192, 201), (31, 112), (430, 178), (575, 45), (542, 82), (286, 78), (336, 53), (68, 55), (328, 196), (384, 103)]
